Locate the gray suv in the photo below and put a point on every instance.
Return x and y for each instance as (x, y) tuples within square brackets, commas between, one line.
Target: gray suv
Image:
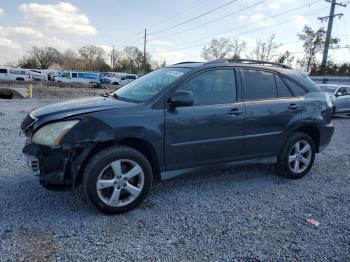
[(176, 118)]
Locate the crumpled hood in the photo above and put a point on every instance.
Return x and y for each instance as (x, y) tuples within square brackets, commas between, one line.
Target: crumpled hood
[(79, 106)]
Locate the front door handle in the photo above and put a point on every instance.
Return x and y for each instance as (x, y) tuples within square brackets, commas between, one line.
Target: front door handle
[(235, 111), (293, 106)]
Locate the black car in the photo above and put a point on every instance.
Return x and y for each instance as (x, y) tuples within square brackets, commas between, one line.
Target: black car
[(175, 118)]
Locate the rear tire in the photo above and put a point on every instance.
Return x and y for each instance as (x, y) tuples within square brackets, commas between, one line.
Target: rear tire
[(297, 156), (117, 179)]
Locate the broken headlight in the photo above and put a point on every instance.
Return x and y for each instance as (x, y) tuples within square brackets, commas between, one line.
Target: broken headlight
[(52, 134)]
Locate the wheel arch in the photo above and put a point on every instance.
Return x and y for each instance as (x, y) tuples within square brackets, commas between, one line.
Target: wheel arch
[(313, 132), (138, 144)]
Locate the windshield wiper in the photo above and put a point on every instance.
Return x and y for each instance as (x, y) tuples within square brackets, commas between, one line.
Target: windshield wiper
[(114, 95)]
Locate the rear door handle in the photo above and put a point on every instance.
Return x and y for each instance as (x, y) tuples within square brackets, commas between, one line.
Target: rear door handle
[(293, 106), (235, 111)]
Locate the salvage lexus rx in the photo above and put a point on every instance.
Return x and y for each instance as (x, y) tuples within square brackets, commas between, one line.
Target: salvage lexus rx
[(179, 117)]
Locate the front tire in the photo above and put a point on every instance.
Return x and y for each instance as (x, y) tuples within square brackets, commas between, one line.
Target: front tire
[(117, 179), (297, 156)]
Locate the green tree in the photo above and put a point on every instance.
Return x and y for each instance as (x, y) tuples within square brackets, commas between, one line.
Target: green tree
[(313, 44), (285, 58), (92, 58), (41, 58)]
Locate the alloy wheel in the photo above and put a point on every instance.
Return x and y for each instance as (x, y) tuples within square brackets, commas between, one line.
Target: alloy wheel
[(300, 156), (120, 183)]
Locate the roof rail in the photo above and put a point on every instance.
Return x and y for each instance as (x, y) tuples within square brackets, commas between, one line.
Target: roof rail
[(248, 61), (186, 62)]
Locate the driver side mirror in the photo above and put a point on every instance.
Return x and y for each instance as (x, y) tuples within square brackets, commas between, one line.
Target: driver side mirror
[(181, 98), (338, 94)]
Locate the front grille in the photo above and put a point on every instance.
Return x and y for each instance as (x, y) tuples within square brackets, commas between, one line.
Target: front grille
[(27, 122)]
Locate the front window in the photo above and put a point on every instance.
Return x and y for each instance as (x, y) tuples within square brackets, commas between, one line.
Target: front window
[(151, 84), (212, 87)]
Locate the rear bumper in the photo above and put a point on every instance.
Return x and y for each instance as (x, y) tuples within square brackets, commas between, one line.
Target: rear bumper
[(326, 133)]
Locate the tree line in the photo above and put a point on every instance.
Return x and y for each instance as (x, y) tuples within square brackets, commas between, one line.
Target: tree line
[(131, 59), (267, 50), (87, 58)]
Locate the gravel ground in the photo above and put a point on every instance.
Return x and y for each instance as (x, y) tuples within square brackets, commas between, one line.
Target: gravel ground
[(53, 90), (240, 213)]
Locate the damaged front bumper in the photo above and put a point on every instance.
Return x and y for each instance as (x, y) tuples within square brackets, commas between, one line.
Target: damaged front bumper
[(55, 165)]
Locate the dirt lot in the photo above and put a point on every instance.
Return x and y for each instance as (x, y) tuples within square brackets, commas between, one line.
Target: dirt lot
[(240, 213), (54, 90)]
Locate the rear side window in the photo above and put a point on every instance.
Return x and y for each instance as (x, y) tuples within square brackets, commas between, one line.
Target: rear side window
[(3, 71), (87, 75), (212, 87), (282, 88), (296, 89), (259, 85), (74, 75)]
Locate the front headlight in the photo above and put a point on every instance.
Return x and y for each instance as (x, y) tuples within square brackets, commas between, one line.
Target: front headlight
[(52, 134)]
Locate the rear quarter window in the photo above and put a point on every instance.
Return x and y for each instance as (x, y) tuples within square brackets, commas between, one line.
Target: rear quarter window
[(282, 88), (296, 88)]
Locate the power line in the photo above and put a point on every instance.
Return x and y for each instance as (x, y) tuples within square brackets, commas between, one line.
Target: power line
[(131, 43), (138, 39), (247, 25), (179, 13), (194, 18), (200, 41), (211, 21)]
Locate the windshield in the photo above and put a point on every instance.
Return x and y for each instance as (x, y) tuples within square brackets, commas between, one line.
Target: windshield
[(151, 84), (329, 89)]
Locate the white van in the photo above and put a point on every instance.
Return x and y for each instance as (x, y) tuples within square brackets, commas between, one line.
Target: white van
[(37, 75), (78, 77), (14, 74)]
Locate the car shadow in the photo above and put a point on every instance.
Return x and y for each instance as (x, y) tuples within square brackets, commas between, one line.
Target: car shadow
[(341, 116)]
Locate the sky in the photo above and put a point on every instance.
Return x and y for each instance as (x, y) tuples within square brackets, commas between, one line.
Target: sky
[(176, 30)]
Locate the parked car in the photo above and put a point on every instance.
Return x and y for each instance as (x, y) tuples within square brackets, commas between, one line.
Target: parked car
[(340, 95), (112, 78), (174, 119), (14, 74), (78, 77), (127, 79), (37, 75)]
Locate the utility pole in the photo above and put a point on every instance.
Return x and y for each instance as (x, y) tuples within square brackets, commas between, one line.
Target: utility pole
[(329, 27), (144, 52), (113, 61)]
